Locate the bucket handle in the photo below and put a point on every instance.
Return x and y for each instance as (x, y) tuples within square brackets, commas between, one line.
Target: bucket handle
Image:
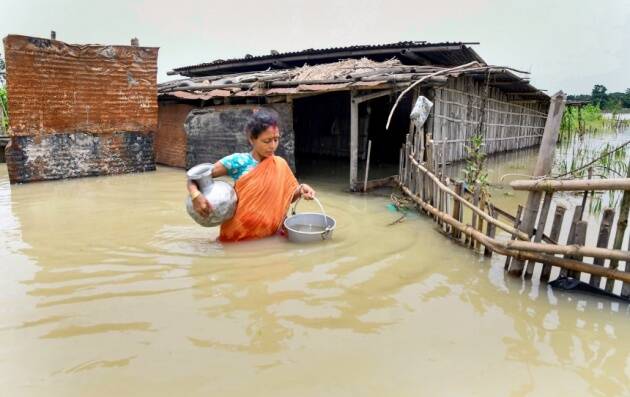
[(327, 230)]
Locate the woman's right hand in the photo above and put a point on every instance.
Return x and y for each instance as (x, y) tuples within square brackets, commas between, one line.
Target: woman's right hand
[(202, 206)]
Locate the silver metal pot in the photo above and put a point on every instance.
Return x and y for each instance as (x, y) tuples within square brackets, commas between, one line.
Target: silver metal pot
[(220, 195), (308, 227)]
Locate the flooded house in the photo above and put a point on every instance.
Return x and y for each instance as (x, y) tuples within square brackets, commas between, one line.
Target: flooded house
[(333, 102), (98, 109)]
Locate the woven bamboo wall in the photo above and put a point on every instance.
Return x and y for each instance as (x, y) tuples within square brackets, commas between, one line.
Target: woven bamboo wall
[(458, 109)]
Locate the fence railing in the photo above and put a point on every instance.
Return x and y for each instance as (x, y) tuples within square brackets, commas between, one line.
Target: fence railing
[(462, 216)]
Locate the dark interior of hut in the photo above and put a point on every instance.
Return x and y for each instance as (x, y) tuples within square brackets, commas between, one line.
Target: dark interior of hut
[(322, 134)]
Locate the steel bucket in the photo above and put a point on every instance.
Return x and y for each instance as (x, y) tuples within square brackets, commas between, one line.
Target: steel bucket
[(307, 227)]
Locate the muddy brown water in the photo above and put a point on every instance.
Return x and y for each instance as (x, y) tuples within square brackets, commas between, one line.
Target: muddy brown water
[(108, 288)]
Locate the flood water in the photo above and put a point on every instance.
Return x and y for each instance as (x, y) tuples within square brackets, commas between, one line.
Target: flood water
[(108, 288)]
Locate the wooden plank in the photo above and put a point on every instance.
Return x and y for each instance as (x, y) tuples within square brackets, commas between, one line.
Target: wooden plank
[(367, 166), (457, 208), (543, 167), (429, 163), (540, 228), (571, 235), (622, 224), (578, 239), (354, 140), (491, 231), (517, 223), (554, 234), (602, 241), (475, 202)]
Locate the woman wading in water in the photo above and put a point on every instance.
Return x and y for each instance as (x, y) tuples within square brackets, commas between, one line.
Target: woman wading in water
[(264, 184)]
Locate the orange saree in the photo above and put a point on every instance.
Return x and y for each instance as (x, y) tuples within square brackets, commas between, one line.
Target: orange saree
[(264, 196)]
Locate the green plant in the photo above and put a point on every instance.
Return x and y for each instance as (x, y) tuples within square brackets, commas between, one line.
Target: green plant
[(475, 174), (4, 109), (576, 122)]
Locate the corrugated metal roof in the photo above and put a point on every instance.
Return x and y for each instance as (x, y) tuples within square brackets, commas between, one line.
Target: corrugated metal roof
[(411, 52)]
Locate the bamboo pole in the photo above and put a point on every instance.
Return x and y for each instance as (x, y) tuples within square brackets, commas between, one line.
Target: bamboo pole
[(602, 241), (554, 235), (579, 239), (571, 236), (354, 140), (577, 185), (517, 223), (488, 218), (542, 168), (569, 250), (475, 202), (622, 224), (490, 231), (540, 228), (367, 165), (501, 248)]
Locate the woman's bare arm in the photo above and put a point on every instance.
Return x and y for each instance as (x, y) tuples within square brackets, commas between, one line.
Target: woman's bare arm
[(305, 191), (218, 170)]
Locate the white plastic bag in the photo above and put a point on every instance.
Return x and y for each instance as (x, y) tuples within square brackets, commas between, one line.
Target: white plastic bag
[(420, 111)]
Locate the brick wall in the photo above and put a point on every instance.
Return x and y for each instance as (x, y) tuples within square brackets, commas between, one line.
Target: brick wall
[(170, 138), (216, 131), (79, 110), (58, 156)]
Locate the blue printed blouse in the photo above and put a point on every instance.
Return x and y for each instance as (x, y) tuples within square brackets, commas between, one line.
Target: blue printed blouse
[(238, 164)]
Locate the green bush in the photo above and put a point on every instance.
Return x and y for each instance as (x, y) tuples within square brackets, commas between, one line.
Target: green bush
[(4, 107)]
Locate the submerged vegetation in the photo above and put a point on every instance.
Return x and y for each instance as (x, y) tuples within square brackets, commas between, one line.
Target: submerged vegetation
[(608, 161), (589, 119), (585, 149)]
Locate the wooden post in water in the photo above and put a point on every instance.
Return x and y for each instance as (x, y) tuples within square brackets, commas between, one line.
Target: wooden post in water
[(517, 223), (622, 224), (431, 190), (457, 208), (602, 241), (354, 141), (540, 229), (578, 239), (367, 165), (577, 213), (543, 167), (556, 226), (491, 230), (475, 201)]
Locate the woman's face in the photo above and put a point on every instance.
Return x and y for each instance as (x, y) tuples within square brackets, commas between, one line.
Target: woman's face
[(267, 142)]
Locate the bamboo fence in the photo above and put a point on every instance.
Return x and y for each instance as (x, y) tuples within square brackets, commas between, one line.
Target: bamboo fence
[(422, 179), (465, 107)]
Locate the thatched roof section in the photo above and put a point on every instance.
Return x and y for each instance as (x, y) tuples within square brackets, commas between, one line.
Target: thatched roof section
[(343, 75)]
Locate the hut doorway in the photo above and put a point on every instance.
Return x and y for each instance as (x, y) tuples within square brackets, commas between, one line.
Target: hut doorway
[(322, 135)]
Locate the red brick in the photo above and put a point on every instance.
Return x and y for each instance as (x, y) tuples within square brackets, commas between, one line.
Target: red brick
[(54, 87), (170, 138)]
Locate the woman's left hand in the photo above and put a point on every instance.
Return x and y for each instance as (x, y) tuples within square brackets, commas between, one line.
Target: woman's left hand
[(307, 192)]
